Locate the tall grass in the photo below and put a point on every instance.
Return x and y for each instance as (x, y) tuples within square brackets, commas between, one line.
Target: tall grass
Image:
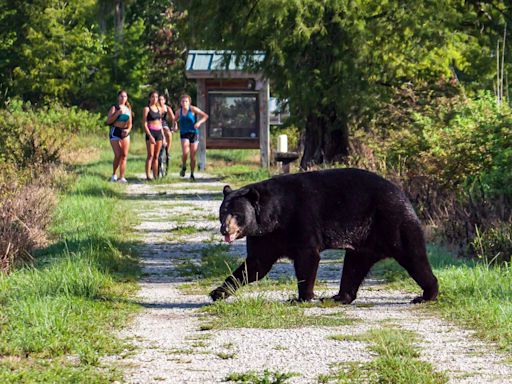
[(58, 315)]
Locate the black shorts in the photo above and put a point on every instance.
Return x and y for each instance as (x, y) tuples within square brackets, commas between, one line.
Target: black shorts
[(190, 136), (156, 134), (115, 133)]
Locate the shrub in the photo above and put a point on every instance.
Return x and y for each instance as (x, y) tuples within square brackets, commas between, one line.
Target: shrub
[(451, 155), (25, 212), (33, 137)]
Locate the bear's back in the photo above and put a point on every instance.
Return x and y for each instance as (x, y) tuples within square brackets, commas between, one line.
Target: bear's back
[(339, 195)]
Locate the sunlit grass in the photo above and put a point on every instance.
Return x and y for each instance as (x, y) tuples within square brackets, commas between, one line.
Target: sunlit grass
[(58, 315), (471, 293)]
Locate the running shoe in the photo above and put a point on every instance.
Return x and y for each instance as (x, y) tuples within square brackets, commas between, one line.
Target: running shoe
[(192, 178), (122, 180), (182, 172), (113, 178)]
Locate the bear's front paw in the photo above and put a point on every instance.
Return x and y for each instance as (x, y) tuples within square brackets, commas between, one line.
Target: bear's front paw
[(218, 294)]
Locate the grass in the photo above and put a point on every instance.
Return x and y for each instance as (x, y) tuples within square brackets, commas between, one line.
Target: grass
[(58, 315), (472, 293), (266, 377), (215, 262), (396, 362), (237, 167), (257, 312)]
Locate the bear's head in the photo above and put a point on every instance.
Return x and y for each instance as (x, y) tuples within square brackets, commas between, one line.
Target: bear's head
[(239, 213)]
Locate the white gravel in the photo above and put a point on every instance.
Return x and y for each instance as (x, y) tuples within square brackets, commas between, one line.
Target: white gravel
[(171, 348)]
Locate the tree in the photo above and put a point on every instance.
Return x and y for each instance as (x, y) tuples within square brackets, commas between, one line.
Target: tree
[(166, 48), (329, 58), (53, 49)]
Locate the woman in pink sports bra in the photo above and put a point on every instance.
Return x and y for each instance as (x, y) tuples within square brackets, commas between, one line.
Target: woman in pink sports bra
[(152, 122)]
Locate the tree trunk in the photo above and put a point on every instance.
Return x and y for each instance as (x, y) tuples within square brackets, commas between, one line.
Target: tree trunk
[(325, 139)]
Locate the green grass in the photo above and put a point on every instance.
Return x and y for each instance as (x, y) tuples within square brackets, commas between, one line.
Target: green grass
[(58, 315), (396, 362), (473, 294), (266, 377), (215, 263), (258, 312)]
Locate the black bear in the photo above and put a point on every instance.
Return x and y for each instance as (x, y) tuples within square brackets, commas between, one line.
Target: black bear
[(299, 215)]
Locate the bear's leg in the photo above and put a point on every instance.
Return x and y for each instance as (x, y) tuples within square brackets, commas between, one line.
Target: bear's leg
[(416, 264), (355, 267), (249, 271), (413, 257), (306, 266)]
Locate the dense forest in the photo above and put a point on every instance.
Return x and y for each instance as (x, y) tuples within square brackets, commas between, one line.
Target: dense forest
[(416, 92)]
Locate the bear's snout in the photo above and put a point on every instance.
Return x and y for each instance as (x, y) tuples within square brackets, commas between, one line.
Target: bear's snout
[(230, 229)]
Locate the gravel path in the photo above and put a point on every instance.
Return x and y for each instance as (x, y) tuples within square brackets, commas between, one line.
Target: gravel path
[(171, 348)]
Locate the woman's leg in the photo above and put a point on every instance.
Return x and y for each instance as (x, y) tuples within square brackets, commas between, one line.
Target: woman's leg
[(193, 151), (168, 138), (185, 148), (125, 146), (116, 147), (156, 151), (149, 159)]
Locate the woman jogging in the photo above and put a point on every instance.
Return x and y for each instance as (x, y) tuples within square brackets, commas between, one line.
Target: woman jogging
[(120, 121), (152, 123), (189, 133)]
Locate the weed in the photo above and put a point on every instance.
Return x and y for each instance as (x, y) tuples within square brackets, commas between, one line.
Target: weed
[(226, 355), (267, 377)]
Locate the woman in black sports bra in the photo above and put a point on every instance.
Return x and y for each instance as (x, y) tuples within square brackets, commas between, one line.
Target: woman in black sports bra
[(152, 122)]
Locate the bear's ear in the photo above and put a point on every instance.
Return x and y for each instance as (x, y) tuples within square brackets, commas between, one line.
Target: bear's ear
[(253, 196), (227, 190)]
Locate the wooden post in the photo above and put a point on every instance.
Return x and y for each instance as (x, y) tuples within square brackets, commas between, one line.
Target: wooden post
[(201, 103), (262, 86)]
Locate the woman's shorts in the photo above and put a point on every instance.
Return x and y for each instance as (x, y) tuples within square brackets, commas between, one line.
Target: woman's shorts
[(156, 134), (115, 133), (191, 137)]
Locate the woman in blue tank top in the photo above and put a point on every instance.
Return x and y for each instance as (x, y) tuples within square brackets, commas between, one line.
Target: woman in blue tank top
[(189, 132), (120, 121)]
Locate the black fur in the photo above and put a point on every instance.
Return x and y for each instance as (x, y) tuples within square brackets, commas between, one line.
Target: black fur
[(297, 216)]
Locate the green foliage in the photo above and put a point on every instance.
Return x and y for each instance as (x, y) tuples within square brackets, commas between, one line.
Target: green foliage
[(36, 137), (494, 244), (54, 49)]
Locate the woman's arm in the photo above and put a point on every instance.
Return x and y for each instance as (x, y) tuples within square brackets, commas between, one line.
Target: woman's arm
[(199, 112), (145, 112), (113, 113), (171, 113)]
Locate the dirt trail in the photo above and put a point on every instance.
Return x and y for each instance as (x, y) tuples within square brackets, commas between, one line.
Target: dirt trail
[(171, 348)]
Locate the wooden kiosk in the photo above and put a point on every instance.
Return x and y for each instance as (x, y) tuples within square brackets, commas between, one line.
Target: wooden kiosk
[(236, 101)]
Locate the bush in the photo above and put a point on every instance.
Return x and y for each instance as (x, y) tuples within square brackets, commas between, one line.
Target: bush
[(451, 155), (25, 212), (31, 141), (34, 137)]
